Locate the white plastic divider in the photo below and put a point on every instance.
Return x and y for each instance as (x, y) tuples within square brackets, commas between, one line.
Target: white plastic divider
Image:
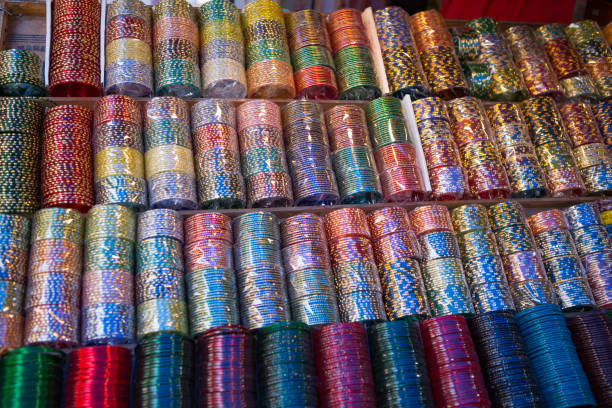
[(379, 67), (413, 131), (48, 23)]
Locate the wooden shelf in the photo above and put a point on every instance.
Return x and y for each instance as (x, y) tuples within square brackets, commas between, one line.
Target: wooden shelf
[(531, 205)]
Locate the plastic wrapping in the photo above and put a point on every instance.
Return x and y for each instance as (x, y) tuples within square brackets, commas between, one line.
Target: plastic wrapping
[(552, 147), (269, 72), (175, 53), (309, 42), (169, 164), (402, 65), (352, 56), (594, 52), (448, 179), (262, 154), (222, 71), (260, 276), (129, 60), (314, 182), (54, 278), (210, 279), (486, 175), (437, 54), (160, 290)]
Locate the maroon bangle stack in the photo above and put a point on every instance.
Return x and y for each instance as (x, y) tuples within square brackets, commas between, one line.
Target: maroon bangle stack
[(75, 49), (67, 168)]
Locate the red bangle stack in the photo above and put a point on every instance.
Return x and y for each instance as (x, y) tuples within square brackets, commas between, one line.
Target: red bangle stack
[(67, 169), (75, 49)]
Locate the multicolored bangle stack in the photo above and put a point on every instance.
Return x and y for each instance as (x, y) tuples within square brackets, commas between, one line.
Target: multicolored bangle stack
[(482, 264), (592, 156), (343, 366), (561, 260), (486, 175), (21, 74), (533, 63), (522, 262), (269, 72), (54, 279), (448, 178), (314, 181), (210, 275), (21, 122), (397, 254), (446, 287), (74, 66), (351, 155), (603, 115), (313, 66), (594, 53), (108, 281), (169, 165), (552, 147), (352, 56), (393, 151), (226, 368), (222, 51), (505, 78), (261, 278), (119, 176), (402, 65), (129, 61), (467, 43), (217, 157), (575, 83), (310, 285), (517, 153), (594, 248), (452, 363), (14, 245), (262, 154), (605, 212), (286, 365), (353, 266), (66, 163), (175, 49), (160, 290), (437, 54)]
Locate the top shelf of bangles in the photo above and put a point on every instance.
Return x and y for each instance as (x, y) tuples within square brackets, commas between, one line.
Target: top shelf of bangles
[(174, 49)]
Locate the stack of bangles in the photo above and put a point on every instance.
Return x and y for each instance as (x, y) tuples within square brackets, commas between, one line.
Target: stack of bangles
[(574, 81), (531, 59), (66, 164), (74, 66), (603, 116), (268, 64), (221, 51), (592, 156), (313, 66), (393, 151), (437, 54), (54, 279), (552, 147), (352, 56), (169, 168), (175, 52), (402, 65), (21, 74), (128, 58), (119, 176), (262, 154), (308, 156), (486, 176), (351, 154), (217, 156), (447, 176), (594, 53)]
